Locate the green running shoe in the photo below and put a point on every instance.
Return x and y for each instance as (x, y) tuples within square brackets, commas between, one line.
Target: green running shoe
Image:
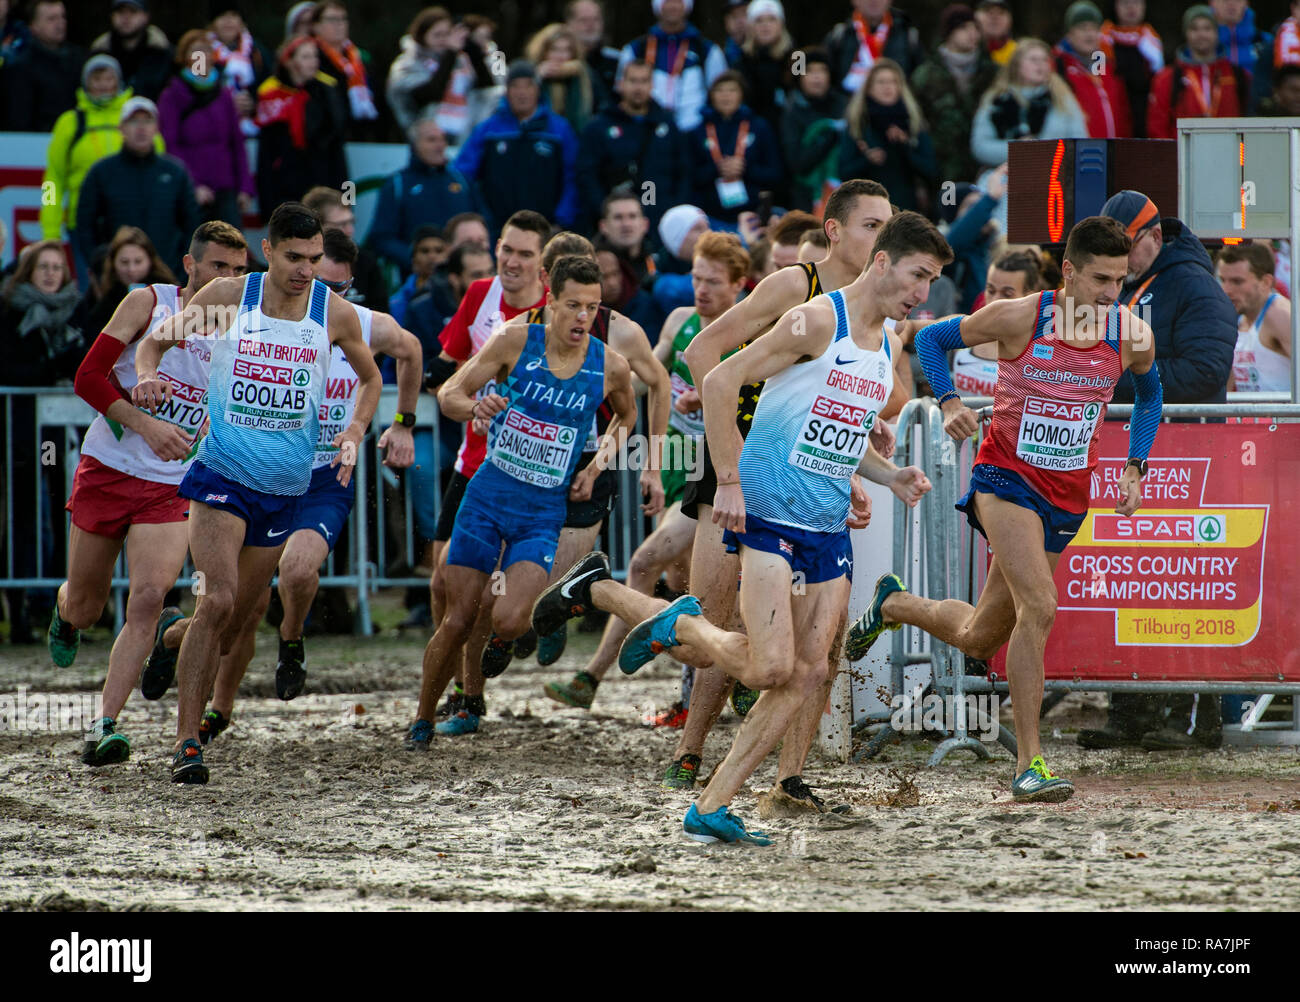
[(870, 625), (580, 692), (743, 699), (63, 640), (104, 746), (1038, 784), (681, 773), (212, 724), (551, 647)]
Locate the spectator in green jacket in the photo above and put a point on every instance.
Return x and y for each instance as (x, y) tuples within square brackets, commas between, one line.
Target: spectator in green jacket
[(948, 87)]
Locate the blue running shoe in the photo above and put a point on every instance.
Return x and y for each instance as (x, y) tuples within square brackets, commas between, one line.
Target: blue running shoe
[(420, 736), (870, 625), (463, 722), (656, 635), (1038, 784), (720, 826), (187, 764), (551, 646)]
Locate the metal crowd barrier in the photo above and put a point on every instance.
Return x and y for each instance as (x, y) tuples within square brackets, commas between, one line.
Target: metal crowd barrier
[(381, 550), (939, 556)]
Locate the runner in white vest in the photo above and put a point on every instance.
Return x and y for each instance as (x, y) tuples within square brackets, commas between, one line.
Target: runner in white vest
[(270, 357), (1262, 361), (124, 492), (325, 507)]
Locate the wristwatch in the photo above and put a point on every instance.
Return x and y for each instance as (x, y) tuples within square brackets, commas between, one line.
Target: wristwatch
[(1141, 464), (405, 418)]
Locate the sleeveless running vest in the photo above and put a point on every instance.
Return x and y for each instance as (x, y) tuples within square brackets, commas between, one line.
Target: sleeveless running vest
[(679, 374), (538, 439), (187, 370), (972, 375), (1257, 367), (340, 394), (1047, 408), (600, 331), (811, 430), (264, 394)]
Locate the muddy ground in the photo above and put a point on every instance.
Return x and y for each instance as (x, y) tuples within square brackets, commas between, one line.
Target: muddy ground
[(315, 805)]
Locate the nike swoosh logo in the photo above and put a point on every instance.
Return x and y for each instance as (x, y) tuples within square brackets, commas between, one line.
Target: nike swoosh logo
[(260, 330), (843, 561), (565, 588), (844, 361), (273, 535), (324, 529), (1094, 361)]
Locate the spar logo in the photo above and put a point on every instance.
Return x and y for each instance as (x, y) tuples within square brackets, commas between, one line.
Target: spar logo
[(565, 436), (1160, 528), (536, 429), (301, 377), (1062, 411), (845, 413), (263, 372), (1211, 528)]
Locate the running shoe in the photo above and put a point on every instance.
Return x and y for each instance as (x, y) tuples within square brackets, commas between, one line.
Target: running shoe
[(720, 826), (420, 736), (681, 773), (571, 595), (743, 699), (62, 639), (291, 671), (496, 656), (463, 722), (797, 789), (550, 646), (104, 745), (187, 764), (674, 717), (526, 644), (870, 625), (656, 635), (212, 724), (1039, 784), (580, 692), (452, 704), (160, 667)]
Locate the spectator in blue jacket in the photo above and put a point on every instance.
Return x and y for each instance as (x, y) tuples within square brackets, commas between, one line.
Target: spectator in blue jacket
[(969, 213), (428, 191), (633, 143), (685, 63), (735, 155), (524, 156), (428, 251), (1246, 45)]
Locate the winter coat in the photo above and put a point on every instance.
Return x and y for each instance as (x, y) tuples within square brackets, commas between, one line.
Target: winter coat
[(39, 85), (415, 196), (1101, 95), (808, 151), (949, 112), (1251, 49), (763, 168), (1020, 113), (206, 137), (147, 67), (421, 78), (905, 164), (286, 172), (1175, 96), (685, 94), (903, 46), (619, 148)]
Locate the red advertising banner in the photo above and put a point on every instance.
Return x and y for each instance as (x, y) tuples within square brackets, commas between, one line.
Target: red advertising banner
[(1202, 582)]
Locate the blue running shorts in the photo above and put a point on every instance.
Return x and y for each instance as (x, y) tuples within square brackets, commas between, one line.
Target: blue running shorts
[(821, 556), (268, 518), (490, 515), (1059, 526), (326, 505)]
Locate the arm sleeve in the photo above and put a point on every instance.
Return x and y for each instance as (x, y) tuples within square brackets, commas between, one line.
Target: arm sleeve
[(965, 232), (764, 169), (1147, 404), (433, 89), (91, 382), (933, 342), (1159, 119)]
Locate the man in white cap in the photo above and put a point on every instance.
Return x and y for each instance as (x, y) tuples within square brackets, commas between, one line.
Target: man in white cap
[(685, 63), (679, 228)]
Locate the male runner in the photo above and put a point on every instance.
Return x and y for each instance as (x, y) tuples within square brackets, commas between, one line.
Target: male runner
[(487, 306), (1263, 357), (321, 516), (718, 275), (1060, 354), (274, 335), (555, 375), (783, 502), (855, 212), (125, 486)]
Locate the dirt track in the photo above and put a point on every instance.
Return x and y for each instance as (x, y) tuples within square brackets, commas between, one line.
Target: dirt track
[(316, 805)]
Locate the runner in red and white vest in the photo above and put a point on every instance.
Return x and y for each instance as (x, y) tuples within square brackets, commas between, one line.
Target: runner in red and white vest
[(1059, 357), (124, 491)]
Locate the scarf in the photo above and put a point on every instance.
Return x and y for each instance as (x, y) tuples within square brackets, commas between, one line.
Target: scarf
[(1143, 38), (960, 65), (1286, 49), (348, 60), (1015, 118), (47, 313), (235, 64), (281, 102), (871, 45), (882, 116)]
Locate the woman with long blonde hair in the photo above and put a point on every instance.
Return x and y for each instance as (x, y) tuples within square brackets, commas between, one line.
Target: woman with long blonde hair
[(566, 78), (1027, 100), (886, 138)]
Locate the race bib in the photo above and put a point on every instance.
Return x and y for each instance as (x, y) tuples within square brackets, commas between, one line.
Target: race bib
[(833, 439), (1055, 435), (536, 452), (271, 396), (691, 424), (731, 193)]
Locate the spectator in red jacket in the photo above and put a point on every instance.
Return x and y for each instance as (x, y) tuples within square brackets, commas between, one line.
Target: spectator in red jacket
[(1088, 65), (1201, 83)]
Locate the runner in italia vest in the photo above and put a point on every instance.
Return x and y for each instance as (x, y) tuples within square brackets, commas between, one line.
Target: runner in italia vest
[(264, 394), (1047, 408), (811, 430), (1255, 366), (537, 440), (340, 395), (600, 331), (125, 450)]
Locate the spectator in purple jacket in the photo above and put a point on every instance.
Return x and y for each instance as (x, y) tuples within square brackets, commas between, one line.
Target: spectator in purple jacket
[(201, 127)]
